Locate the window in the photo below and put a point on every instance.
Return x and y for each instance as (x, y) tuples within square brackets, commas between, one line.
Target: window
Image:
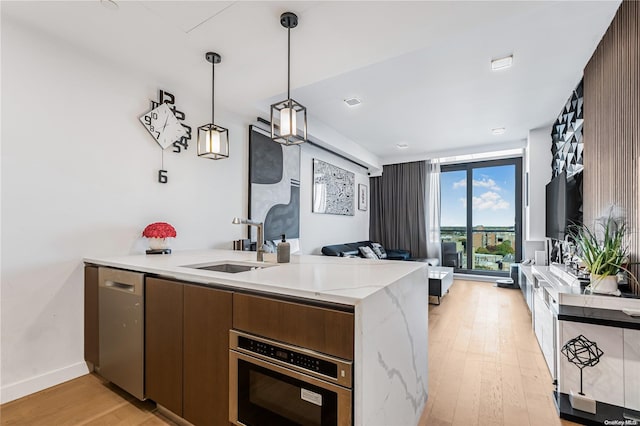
[(481, 236)]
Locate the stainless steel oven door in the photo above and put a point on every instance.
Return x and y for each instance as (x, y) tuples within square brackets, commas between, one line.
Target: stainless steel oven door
[(263, 393)]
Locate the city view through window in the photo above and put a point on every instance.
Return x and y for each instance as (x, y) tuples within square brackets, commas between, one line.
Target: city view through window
[(488, 224)]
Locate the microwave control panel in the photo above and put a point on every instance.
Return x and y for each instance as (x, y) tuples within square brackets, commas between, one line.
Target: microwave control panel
[(289, 356)]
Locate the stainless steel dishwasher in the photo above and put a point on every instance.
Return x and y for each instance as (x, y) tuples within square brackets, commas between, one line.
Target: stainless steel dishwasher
[(121, 329)]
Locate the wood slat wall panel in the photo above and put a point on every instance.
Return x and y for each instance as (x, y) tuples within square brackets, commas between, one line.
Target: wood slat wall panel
[(612, 125)]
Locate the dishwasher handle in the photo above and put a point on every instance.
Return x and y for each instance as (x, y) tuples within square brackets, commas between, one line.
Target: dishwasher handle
[(119, 280), (129, 288)]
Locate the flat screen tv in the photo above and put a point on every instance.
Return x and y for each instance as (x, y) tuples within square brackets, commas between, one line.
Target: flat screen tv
[(563, 205)]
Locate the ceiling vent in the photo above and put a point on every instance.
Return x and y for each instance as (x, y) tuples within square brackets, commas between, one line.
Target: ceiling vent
[(502, 63), (109, 4), (352, 102)]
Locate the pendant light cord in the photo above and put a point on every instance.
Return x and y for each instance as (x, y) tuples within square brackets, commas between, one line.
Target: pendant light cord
[(213, 88), (288, 63)]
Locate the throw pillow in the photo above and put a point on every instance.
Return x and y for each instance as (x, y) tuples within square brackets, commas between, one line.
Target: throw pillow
[(269, 247), (367, 252), (379, 250), (352, 253)]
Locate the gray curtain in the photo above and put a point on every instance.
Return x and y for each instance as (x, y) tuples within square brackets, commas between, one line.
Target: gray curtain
[(397, 208)]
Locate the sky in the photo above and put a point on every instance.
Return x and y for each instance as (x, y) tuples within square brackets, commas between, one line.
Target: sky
[(493, 197)]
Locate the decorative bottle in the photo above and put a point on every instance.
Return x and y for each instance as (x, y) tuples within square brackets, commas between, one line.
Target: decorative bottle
[(283, 251)]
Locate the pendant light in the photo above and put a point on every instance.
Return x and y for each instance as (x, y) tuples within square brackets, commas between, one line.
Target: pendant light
[(288, 113), (213, 141)]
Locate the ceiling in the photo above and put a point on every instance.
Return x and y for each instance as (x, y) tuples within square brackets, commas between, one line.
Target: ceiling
[(421, 69)]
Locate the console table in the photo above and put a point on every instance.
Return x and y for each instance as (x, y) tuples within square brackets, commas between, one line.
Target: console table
[(613, 381), (440, 279)]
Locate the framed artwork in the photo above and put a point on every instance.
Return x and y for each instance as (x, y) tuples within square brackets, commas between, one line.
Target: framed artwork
[(274, 186), (363, 197), (333, 189)]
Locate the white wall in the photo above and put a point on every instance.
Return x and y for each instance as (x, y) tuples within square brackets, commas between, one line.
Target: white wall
[(319, 230), (476, 149), (79, 177), (326, 136), (538, 165)]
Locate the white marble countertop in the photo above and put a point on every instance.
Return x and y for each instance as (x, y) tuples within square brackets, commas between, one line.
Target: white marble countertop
[(323, 278)]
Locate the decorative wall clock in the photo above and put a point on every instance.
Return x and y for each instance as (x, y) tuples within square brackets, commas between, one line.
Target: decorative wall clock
[(165, 97), (165, 123)]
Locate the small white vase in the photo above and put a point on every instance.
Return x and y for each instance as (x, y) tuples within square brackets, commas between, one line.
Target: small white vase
[(604, 284), (158, 243)]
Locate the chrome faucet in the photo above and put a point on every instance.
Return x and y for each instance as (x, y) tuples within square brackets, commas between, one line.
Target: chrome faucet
[(260, 242)]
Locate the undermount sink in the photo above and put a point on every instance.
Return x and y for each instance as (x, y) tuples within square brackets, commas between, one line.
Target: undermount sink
[(228, 267)]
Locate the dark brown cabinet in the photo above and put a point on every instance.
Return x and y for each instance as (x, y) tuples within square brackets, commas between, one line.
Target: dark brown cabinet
[(324, 330), (163, 343), (207, 320), (187, 349), (91, 348)]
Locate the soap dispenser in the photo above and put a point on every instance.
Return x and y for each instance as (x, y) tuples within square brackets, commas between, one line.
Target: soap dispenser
[(284, 251)]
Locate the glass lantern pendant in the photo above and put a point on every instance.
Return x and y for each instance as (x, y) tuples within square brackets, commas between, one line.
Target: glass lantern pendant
[(289, 113), (213, 140)]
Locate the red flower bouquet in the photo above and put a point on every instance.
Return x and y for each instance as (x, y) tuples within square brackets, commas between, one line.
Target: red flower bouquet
[(159, 230), (158, 233)]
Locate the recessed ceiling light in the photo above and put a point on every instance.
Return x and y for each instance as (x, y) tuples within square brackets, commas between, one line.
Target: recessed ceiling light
[(109, 4), (502, 63), (352, 102), (498, 130), (402, 145)]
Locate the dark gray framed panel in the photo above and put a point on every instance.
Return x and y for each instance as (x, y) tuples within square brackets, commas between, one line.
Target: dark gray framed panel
[(274, 185)]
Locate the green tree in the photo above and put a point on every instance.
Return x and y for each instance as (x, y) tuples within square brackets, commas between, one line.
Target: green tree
[(482, 250), (504, 248)]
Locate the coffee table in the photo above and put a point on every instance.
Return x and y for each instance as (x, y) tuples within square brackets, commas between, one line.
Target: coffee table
[(440, 279)]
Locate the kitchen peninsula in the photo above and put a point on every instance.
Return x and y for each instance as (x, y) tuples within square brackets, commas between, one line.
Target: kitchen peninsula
[(381, 304)]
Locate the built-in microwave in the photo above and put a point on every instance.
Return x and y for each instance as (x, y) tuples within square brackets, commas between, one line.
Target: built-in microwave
[(273, 383)]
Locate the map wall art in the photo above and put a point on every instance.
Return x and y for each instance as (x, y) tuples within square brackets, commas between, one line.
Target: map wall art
[(333, 189)]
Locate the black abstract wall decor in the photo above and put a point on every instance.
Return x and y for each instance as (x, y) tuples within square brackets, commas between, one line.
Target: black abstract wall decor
[(274, 185), (566, 136), (582, 352), (333, 189)]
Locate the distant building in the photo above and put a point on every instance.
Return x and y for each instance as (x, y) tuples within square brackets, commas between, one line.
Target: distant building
[(482, 236)]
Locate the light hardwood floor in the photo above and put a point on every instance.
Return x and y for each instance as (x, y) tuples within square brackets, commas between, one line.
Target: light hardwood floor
[(87, 400), (485, 368), (485, 365)]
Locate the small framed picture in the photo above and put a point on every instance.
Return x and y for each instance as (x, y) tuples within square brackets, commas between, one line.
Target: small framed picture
[(363, 197)]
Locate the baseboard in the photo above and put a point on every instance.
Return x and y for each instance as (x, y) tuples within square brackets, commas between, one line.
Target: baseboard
[(170, 415), (471, 277), (35, 384)]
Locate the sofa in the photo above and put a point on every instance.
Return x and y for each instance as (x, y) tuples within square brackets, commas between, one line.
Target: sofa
[(352, 249)]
